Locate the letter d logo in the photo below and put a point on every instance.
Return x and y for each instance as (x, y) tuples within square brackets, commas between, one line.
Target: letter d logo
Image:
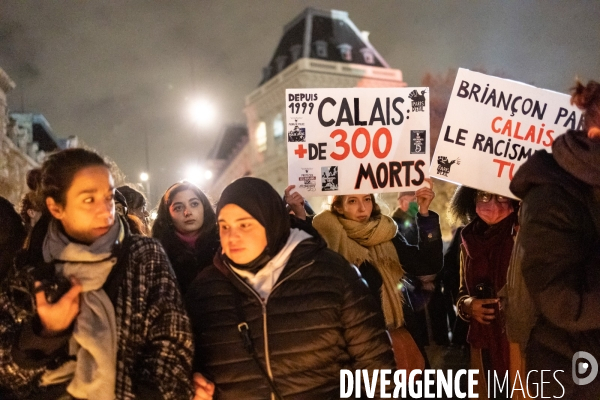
[(580, 367)]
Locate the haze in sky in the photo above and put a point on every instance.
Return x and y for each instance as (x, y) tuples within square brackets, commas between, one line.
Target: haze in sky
[(114, 73)]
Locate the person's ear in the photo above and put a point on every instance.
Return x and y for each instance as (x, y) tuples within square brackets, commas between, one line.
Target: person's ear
[(31, 212), (55, 209)]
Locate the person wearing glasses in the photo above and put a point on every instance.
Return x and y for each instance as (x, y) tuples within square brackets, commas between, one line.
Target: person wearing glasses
[(487, 242)]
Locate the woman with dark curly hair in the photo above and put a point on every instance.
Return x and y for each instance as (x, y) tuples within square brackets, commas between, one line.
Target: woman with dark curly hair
[(186, 225), (136, 207), (91, 311), (31, 206), (487, 242), (558, 250)]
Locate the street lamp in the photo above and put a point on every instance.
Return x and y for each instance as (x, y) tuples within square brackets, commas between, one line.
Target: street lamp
[(145, 178), (197, 174), (202, 112)]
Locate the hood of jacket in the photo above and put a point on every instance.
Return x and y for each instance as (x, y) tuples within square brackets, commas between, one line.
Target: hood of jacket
[(540, 169)]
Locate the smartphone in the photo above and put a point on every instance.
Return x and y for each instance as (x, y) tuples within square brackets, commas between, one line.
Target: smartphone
[(54, 288), (483, 291)]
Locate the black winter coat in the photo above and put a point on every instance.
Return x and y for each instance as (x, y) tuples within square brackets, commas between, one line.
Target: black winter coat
[(187, 262), (559, 249), (319, 318)]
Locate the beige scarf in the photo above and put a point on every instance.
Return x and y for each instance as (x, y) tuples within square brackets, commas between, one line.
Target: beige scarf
[(371, 241)]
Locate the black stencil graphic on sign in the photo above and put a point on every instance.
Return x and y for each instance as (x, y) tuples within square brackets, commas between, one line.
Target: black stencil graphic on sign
[(418, 100), (308, 180), (417, 142), (297, 134), (444, 165), (329, 179)]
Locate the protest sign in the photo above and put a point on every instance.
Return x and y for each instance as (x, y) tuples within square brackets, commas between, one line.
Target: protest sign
[(357, 140), (493, 125)]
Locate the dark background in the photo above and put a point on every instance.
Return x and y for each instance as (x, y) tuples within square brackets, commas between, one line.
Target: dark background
[(112, 72)]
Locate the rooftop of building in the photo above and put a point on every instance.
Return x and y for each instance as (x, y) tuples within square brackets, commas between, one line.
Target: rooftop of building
[(41, 131), (323, 35)]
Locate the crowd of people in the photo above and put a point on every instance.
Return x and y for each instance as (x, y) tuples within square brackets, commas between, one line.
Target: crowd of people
[(258, 297)]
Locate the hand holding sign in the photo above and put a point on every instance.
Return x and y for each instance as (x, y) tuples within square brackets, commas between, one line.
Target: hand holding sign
[(424, 197), (295, 201)]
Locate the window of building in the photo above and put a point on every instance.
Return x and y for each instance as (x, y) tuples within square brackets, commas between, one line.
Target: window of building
[(345, 51), (278, 127), (261, 137), (320, 48), (281, 63), (296, 51), (368, 55)]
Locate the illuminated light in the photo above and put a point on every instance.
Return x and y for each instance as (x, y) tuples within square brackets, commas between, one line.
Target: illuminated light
[(144, 177), (193, 174), (208, 174), (202, 112)]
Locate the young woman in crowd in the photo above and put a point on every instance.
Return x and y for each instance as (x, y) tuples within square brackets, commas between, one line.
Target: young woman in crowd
[(355, 227), (30, 207), (136, 206), (136, 226), (93, 312), (487, 243), (186, 226), (279, 313), (558, 250)]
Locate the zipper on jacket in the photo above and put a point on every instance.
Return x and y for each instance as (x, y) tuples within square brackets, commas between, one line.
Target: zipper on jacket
[(264, 313), (266, 344)]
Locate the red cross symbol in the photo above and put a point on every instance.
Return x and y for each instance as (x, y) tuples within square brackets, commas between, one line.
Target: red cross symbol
[(300, 151)]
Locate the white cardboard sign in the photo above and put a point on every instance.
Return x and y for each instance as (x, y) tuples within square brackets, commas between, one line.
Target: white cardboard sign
[(357, 140), (493, 125)]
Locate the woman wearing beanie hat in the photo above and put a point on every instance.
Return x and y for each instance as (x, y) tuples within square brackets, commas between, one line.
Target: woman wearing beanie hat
[(278, 314)]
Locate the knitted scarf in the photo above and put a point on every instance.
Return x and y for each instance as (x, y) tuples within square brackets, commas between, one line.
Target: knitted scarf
[(368, 241), (94, 338)]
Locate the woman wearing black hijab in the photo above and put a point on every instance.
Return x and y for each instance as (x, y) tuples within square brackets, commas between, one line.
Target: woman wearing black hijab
[(307, 312)]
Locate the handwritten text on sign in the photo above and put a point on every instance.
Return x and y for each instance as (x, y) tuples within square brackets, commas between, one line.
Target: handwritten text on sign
[(357, 140), (493, 125)]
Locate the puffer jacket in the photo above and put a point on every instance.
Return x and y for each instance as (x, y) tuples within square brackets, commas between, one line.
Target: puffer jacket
[(154, 343), (559, 252), (319, 318)]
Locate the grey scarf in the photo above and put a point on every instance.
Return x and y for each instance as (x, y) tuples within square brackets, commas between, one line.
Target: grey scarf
[(94, 339)]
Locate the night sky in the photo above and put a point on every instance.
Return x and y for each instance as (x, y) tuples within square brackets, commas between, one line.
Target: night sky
[(112, 72)]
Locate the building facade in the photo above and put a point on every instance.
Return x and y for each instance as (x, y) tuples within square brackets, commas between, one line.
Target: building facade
[(25, 139)]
